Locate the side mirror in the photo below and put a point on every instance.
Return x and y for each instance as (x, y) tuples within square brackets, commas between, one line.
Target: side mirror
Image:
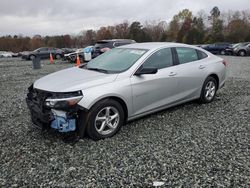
[(146, 70)]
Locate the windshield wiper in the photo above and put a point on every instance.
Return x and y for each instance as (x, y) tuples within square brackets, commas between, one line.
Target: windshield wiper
[(99, 70)]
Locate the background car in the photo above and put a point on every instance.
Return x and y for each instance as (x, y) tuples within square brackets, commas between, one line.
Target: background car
[(217, 48), (242, 50), (124, 84), (103, 45), (6, 54), (1, 53), (68, 50), (71, 57), (230, 49), (44, 53)]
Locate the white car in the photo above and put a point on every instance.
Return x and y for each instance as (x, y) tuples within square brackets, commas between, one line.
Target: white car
[(6, 54)]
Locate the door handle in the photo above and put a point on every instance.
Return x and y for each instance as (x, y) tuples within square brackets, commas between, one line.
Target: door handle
[(172, 73), (202, 67)]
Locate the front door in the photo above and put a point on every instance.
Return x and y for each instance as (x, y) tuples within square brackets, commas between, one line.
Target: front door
[(151, 91)]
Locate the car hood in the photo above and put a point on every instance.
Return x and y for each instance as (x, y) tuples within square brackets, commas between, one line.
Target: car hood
[(68, 54), (73, 79)]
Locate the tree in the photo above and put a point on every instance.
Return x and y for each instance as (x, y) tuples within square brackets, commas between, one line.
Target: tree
[(89, 38), (173, 29), (122, 30), (36, 42), (136, 32), (196, 33), (185, 29), (215, 13), (216, 34), (236, 30), (184, 19), (183, 15), (67, 41), (103, 33), (155, 30)]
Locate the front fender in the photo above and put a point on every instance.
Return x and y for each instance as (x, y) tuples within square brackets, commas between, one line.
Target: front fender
[(120, 89)]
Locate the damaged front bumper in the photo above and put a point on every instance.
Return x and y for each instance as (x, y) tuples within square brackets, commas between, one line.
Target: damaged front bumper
[(61, 118), (62, 122)]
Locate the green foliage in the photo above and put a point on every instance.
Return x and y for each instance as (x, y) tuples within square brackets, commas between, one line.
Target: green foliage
[(136, 32)]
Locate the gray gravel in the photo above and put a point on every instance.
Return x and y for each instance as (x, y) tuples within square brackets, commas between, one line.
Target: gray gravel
[(191, 145)]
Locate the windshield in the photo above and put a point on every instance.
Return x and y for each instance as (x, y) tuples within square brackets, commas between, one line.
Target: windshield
[(116, 60), (240, 45), (235, 45)]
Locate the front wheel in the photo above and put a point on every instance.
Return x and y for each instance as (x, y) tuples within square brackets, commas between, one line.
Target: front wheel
[(32, 57), (209, 90), (58, 56), (105, 119)]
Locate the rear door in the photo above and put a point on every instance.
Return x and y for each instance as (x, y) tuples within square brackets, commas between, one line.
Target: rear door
[(151, 91), (43, 52), (191, 72)]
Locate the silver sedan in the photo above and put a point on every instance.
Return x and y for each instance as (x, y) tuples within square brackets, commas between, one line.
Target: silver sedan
[(123, 84)]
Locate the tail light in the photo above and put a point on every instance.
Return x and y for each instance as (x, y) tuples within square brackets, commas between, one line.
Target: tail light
[(224, 62)]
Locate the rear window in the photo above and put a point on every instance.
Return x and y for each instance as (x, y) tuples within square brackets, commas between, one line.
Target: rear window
[(186, 55), (117, 44)]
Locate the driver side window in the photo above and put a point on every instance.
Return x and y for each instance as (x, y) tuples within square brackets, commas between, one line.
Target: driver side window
[(160, 59)]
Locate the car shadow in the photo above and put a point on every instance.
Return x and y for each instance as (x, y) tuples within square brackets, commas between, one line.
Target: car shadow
[(187, 105)]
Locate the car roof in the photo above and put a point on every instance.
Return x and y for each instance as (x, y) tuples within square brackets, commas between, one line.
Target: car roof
[(155, 45)]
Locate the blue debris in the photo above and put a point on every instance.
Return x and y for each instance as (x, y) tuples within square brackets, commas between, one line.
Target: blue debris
[(88, 49), (63, 124)]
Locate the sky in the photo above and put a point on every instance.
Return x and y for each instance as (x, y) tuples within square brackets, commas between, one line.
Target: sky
[(52, 17)]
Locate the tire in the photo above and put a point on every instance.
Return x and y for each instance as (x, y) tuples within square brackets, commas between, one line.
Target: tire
[(209, 90), (32, 57), (105, 119), (222, 52), (58, 56), (242, 53)]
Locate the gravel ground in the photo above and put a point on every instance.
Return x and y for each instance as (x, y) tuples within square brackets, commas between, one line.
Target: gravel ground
[(191, 145)]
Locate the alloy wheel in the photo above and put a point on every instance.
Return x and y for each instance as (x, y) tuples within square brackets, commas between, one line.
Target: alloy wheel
[(210, 90), (58, 56), (107, 120), (242, 53)]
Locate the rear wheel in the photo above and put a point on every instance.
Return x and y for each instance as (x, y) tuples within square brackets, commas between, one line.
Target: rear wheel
[(242, 53), (209, 90), (105, 119)]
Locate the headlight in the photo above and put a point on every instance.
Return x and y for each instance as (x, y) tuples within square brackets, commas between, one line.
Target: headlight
[(63, 101)]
